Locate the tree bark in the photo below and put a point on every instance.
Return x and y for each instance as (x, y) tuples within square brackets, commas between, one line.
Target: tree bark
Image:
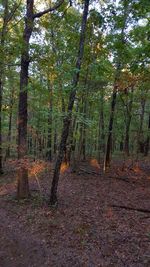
[(23, 187), (67, 119)]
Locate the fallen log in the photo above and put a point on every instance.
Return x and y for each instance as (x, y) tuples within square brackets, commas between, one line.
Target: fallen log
[(88, 172), (130, 208)]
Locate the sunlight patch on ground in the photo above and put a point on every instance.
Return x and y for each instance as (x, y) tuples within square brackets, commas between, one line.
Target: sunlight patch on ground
[(64, 167), (94, 163)]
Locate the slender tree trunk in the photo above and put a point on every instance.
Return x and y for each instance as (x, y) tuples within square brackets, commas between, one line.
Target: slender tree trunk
[(114, 95), (49, 137), (10, 123), (67, 119), (101, 132), (110, 128), (140, 138), (147, 143), (2, 44), (128, 121)]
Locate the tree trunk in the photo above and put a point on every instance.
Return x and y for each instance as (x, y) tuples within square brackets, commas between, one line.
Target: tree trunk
[(140, 138), (2, 44), (147, 143), (23, 187), (10, 123), (128, 121), (110, 128), (67, 119), (49, 137), (101, 133)]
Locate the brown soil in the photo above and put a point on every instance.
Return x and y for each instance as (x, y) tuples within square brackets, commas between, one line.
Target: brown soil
[(86, 229)]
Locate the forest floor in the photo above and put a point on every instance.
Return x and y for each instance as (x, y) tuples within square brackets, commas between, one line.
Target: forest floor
[(101, 220)]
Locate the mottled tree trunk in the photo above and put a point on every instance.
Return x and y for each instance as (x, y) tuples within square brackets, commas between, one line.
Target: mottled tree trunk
[(67, 119)]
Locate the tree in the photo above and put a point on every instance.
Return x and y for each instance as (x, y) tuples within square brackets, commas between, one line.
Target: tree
[(23, 186), (67, 119)]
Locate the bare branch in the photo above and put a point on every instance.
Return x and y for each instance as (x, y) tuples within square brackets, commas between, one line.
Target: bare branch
[(40, 14)]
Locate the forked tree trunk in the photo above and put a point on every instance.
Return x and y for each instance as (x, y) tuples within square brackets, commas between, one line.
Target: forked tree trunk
[(67, 119)]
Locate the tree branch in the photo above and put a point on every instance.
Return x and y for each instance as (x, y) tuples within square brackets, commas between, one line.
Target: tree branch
[(40, 14)]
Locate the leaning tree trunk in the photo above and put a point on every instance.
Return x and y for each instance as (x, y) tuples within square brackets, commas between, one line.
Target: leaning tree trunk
[(67, 119)]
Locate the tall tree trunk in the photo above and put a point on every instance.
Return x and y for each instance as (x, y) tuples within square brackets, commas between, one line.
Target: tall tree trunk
[(23, 186), (67, 119), (101, 133), (10, 123), (114, 95), (2, 44), (110, 128), (140, 137), (128, 105), (49, 137)]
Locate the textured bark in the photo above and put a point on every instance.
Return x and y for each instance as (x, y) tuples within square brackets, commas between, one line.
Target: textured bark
[(23, 188), (67, 119)]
